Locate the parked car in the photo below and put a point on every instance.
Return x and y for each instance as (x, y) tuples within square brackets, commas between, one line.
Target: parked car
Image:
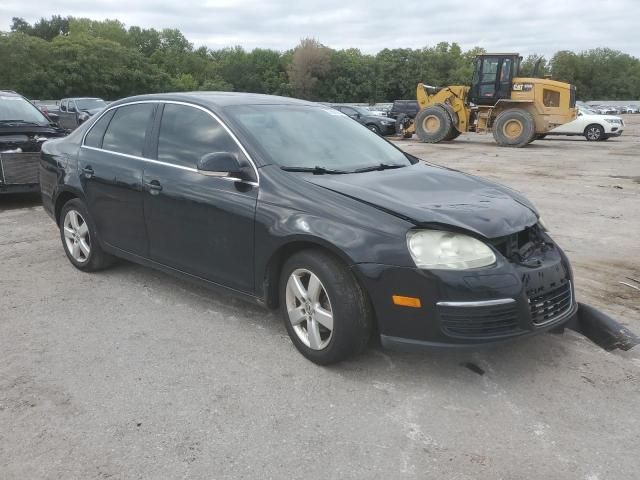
[(50, 110), (376, 123), (408, 108), (606, 110), (630, 109), (591, 125), (340, 229), (75, 111), (23, 129)]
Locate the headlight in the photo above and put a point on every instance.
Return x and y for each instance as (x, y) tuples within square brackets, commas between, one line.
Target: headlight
[(611, 120), (434, 249)]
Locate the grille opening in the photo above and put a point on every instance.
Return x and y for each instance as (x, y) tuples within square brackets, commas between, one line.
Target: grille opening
[(478, 322), (551, 305)]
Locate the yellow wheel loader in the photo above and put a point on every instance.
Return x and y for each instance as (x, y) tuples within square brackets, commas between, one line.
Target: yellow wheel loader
[(516, 109)]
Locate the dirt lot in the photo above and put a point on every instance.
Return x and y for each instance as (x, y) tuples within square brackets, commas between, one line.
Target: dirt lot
[(130, 373)]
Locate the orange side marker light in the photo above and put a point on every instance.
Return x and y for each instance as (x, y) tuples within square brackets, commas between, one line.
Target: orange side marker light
[(406, 301)]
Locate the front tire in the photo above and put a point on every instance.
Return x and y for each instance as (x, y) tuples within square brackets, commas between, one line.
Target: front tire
[(374, 129), (80, 239), (594, 132), (433, 124), (514, 128), (326, 313)]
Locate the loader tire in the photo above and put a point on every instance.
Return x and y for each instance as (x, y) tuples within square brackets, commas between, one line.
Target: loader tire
[(514, 128), (453, 134), (433, 124)]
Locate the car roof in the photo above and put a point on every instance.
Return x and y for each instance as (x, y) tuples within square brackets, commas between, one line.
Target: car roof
[(9, 93), (217, 99)]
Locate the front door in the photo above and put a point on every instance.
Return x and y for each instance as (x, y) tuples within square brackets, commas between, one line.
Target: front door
[(199, 224), (111, 164)]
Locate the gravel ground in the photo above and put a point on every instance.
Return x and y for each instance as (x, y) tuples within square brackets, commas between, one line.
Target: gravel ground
[(130, 373)]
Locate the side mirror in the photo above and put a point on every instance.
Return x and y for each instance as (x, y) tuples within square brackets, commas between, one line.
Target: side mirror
[(220, 164)]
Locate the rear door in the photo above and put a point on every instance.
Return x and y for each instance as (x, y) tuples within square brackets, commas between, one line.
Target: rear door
[(111, 164), (196, 223)]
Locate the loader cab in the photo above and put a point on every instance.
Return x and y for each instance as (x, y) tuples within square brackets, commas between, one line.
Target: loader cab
[(492, 77)]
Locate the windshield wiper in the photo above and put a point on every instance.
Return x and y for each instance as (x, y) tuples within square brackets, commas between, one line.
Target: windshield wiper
[(21, 122), (380, 166), (315, 170)]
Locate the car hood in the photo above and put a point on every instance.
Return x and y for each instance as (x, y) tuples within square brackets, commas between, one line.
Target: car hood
[(425, 194)]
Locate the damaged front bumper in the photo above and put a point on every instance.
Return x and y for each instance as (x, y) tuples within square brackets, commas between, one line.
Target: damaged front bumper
[(469, 308)]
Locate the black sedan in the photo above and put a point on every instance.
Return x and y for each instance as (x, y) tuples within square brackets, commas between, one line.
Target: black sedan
[(342, 231), (376, 123), (23, 130)]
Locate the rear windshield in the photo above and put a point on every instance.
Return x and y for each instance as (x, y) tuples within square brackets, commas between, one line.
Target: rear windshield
[(17, 109)]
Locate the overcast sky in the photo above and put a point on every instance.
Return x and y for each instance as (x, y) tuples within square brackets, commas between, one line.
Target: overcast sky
[(534, 26)]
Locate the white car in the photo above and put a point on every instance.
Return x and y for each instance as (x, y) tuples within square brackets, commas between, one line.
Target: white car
[(591, 125)]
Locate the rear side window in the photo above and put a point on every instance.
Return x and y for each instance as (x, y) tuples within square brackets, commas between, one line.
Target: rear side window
[(96, 134), (187, 134), (126, 132)]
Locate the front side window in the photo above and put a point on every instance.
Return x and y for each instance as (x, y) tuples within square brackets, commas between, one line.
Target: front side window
[(188, 133), (127, 130)]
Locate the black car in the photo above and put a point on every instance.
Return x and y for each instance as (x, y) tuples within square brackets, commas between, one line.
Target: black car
[(74, 111), (23, 129), (341, 230), (404, 108), (376, 123)]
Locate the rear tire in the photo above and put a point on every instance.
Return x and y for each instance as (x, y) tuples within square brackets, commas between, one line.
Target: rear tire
[(594, 132), (80, 239), (514, 128), (325, 311), (433, 124)]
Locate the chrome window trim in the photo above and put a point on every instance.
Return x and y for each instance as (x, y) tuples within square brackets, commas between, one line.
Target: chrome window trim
[(175, 102), (482, 303), (158, 162)]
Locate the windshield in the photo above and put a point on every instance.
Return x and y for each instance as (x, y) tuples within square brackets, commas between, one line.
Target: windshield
[(17, 108), (309, 136), (90, 103), (361, 110)]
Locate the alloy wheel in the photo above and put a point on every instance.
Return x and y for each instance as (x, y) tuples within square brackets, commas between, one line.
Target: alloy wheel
[(76, 236), (309, 309), (593, 133)]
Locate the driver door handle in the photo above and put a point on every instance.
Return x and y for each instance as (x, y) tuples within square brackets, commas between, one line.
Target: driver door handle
[(88, 171), (153, 187)]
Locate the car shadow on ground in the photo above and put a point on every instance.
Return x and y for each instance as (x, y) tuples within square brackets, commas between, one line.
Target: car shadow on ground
[(13, 201), (511, 361)]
